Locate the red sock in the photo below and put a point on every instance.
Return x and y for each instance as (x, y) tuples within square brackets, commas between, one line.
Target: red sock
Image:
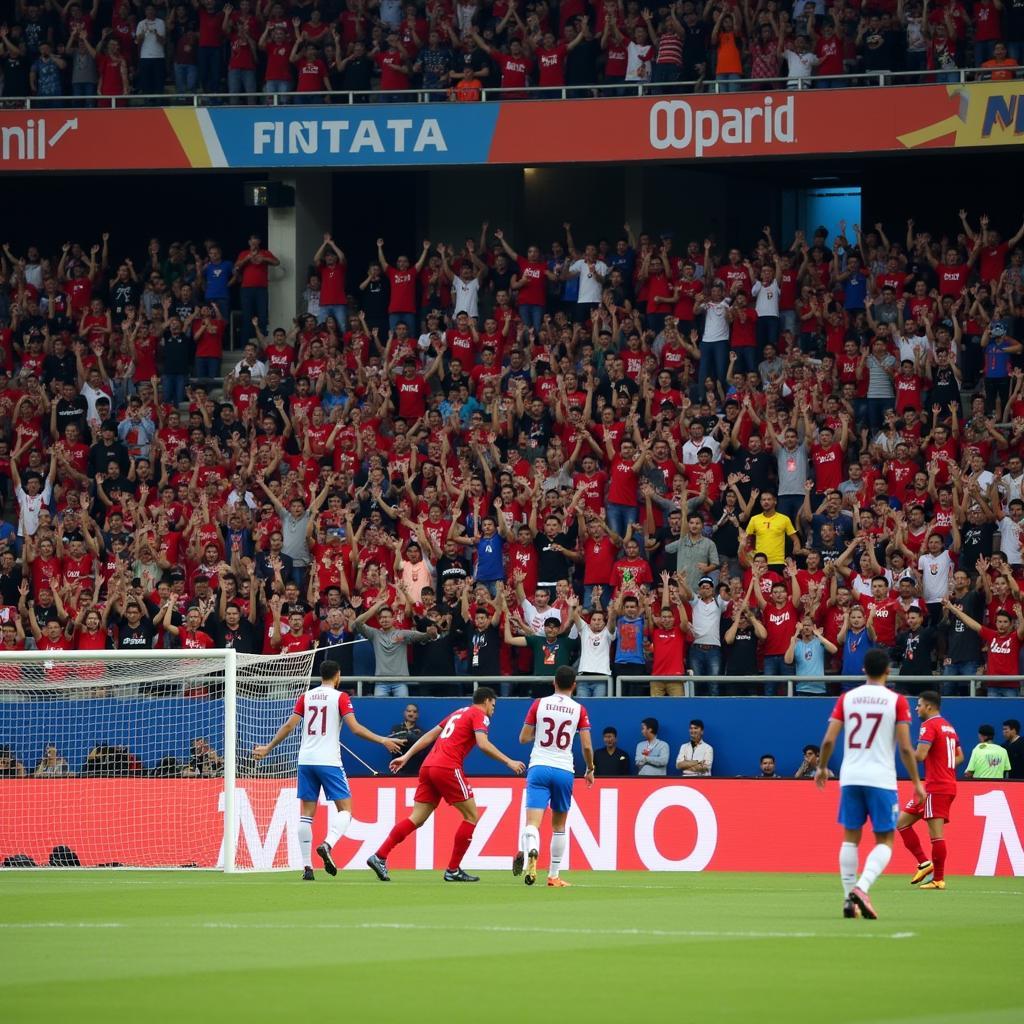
[(463, 837), (913, 844), (395, 836), (939, 859)]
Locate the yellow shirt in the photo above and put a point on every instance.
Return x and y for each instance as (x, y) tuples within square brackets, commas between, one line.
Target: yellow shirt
[(770, 533)]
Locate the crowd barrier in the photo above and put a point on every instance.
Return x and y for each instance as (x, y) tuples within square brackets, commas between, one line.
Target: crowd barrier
[(630, 824)]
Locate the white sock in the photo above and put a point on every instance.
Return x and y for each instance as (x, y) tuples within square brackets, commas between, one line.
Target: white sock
[(306, 841), (875, 864), (557, 853), (531, 839), (342, 820), (848, 863)]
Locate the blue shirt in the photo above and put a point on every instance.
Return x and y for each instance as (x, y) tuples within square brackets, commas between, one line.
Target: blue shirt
[(630, 640), (490, 564), (809, 660), (855, 647), (855, 288), (215, 279)]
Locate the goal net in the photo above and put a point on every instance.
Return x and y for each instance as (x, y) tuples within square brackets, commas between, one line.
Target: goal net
[(144, 760)]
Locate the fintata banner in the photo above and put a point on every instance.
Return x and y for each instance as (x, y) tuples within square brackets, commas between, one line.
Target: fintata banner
[(748, 124), (629, 824)]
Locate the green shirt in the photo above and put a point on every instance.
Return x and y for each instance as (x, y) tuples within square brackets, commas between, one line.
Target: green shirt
[(988, 761), (551, 655)]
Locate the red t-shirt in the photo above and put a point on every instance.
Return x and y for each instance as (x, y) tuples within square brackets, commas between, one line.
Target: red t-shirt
[(392, 76), (622, 489), (551, 65), (332, 284), (780, 624), (828, 467), (1003, 654), (669, 651), (458, 737), (884, 621), (311, 76), (279, 68), (533, 291), (413, 393), (254, 275), (403, 290)]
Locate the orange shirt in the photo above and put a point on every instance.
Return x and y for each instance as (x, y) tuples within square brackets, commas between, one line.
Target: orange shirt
[(729, 62), (1001, 75)]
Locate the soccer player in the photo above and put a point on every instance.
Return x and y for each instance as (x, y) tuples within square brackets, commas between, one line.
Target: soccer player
[(325, 711), (875, 721), (441, 778), (938, 748), (551, 723)]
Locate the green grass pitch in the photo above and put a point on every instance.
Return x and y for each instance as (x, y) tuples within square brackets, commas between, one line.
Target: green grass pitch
[(665, 948)]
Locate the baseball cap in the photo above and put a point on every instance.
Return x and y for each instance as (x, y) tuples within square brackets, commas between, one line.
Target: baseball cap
[(705, 579)]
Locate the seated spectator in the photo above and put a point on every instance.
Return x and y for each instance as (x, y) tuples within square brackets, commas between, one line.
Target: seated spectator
[(10, 766), (51, 765), (767, 768), (809, 765), (203, 761), (609, 760), (409, 729), (651, 753), (696, 757)]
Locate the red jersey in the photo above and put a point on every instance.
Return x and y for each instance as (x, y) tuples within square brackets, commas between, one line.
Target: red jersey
[(780, 624), (458, 737), (884, 621), (403, 290), (669, 651), (940, 764), (1003, 655), (828, 467)]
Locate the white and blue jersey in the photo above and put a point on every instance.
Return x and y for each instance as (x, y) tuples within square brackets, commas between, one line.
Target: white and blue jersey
[(323, 710), (556, 720)]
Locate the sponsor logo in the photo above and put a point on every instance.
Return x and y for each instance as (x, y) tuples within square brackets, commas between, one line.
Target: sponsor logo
[(34, 139), (674, 124), (313, 137)]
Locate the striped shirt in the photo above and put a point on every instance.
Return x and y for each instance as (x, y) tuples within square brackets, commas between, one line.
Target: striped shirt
[(670, 49)]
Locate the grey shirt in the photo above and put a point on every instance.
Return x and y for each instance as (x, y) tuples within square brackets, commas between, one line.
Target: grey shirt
[(293, 532), (389, 648), (689, 553), (655, 761), (792, 466)]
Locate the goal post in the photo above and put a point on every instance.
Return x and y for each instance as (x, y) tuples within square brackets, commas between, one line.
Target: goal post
[(143, 759)]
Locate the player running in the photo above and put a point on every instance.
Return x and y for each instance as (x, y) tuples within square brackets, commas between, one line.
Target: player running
[(875, 721), (325, 711), (441, 778), (550, 776), (939, 749)]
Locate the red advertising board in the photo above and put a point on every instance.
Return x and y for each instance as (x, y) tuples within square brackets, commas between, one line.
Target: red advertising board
[(632, 824)]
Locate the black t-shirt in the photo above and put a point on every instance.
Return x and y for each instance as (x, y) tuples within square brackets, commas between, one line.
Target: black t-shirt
[(1015, 751), (552, 565), (374, 301), (741, 654), (963, 643), (177, 353), (244, 639), (610, 765), (760, 468), (61, 368), (357, 76), (915, 650), (581, 63), (137, 638), (451, 569), (538, 432), (483, 647), (975, 541), (101, 455), (122, 295)]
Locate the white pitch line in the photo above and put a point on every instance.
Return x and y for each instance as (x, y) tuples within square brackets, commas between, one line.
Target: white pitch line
[(492, 929)]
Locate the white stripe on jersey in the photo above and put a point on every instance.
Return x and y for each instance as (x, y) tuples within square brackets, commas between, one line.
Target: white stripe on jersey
[(556, 719), (322, 710), (869, 714)]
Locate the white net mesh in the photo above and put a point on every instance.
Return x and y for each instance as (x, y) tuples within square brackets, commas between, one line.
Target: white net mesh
[(121, 760)]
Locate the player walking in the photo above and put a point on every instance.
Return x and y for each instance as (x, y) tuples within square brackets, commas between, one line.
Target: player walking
[(551, 723), (875, 721), (939, 749), (324, 710), (441, 778)]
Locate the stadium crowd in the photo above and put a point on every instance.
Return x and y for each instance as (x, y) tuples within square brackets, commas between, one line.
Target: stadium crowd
[(491, 460), (86, 49)]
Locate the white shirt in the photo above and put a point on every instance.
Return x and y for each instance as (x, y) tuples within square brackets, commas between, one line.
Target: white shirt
[(595, 651), (557, 718), (257, 370), (800, 65), (90, 394), (936, 571), (465, 295), (690, 450), (716, 327), (638, 62), (322, 709), (914, 343), (869, 714), (30, 506), (706, 620), (148, 31), (1009, 539), (766, 298), (534, 617), (590, 286), (701, 752)]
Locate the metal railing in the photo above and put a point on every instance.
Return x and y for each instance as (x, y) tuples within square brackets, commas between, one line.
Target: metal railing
[(629, 685), (365, 684), (714, 87), (788, 683)]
